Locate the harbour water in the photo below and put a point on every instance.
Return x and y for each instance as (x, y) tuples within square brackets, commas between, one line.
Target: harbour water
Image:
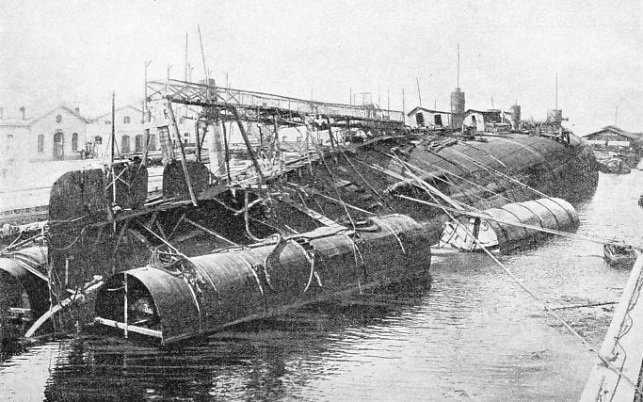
[(471, 334)]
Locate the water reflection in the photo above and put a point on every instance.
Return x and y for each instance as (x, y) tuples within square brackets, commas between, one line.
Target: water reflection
[(264, 360), (474, 335)]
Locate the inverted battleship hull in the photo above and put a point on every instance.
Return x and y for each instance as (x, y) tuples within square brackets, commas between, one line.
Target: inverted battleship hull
[(97, 231), (483, 173)]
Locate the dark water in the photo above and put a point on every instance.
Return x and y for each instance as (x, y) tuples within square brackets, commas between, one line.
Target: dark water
[(473, 334)]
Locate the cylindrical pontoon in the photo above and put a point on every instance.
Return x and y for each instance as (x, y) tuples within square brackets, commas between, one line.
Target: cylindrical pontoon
[(204, 294)]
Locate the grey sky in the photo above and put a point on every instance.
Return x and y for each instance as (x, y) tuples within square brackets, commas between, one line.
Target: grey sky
[(77, 52)]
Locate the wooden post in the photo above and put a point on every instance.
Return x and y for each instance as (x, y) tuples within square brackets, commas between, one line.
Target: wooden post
[(622, 349), (225, 145), (125, 306), (199, 143), (188, 181), (275, 142)]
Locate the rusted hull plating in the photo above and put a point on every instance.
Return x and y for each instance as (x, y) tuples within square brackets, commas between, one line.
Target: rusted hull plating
[(204, 294)]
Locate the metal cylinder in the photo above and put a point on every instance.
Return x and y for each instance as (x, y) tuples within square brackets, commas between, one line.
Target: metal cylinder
[(555, 116), (457, 108), (515, 117), (207, 293)]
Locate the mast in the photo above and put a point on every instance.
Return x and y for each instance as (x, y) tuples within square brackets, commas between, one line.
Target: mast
[(556, 103), (458, 74), (113, 133), (207, 77), (616, 117), (186, 57), (403, 107)]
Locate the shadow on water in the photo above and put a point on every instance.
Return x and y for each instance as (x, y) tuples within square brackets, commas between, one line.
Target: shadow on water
[(266, 359)]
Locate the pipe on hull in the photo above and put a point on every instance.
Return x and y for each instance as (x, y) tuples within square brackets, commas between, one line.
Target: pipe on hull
[(204, 294)]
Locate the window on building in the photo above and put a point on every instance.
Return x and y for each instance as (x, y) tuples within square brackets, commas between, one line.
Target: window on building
[(126, 119), (138, 143), (74, 142), (59, 118), (186, 138), (438, 119), (125, 144), (108, 122), (9, 142), (98, 139), (41, 143), (152, 145), (419, 118)]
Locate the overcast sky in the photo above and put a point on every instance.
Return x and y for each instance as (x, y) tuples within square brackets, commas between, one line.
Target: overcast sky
[(77, 52)]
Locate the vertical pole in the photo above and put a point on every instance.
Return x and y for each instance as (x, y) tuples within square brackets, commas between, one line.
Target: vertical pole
[(125, 307), (207, 76), (146, 131), (616, 117), (403, 107), (112, 152), (556, 104), (185, 77), (275, 143), (113, 129), (188, 181), (198, 140), (417, 81), (458, 77), (225, 145)]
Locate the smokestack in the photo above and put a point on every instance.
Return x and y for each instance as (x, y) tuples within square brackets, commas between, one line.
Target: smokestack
[(23, 111)]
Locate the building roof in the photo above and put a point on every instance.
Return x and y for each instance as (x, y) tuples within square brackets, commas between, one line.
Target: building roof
[(31, 120), (619, 131), (109, 114), (63, 107), (487, 112), (417, 108)]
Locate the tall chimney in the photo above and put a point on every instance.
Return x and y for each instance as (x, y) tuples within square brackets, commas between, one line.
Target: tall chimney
[(23, 111)]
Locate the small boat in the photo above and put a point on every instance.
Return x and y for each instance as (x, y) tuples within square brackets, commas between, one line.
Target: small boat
[(614, 165), (617, 256)]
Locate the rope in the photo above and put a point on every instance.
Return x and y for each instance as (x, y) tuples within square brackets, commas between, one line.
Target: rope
[(415, 158), (546, 308)]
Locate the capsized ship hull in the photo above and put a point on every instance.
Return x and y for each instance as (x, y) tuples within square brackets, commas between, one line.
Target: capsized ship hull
[(484, 173), (93, 235)]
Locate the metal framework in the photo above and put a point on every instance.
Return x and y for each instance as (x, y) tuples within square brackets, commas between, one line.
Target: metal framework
[(263, 107)]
